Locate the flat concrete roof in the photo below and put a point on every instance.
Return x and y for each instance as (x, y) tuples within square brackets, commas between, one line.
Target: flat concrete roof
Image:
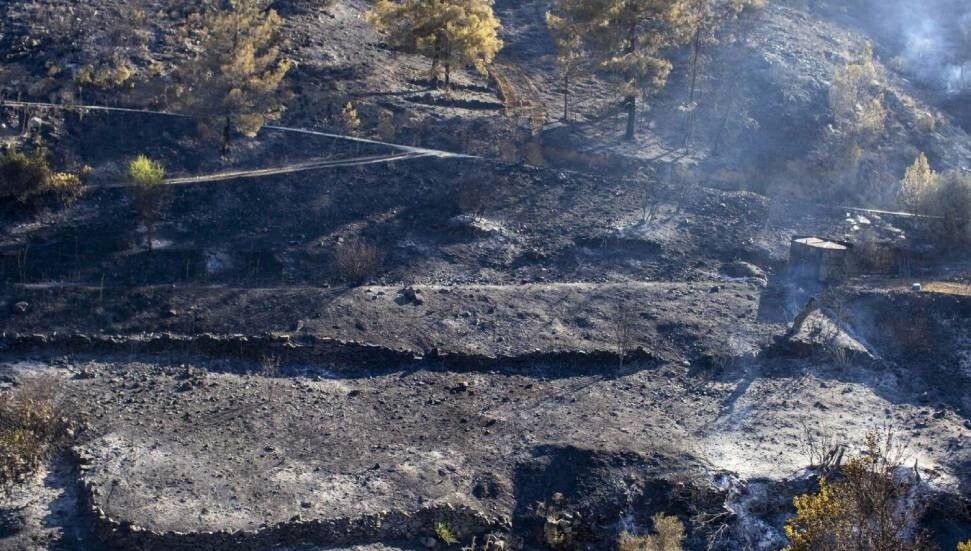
[(820, 243)]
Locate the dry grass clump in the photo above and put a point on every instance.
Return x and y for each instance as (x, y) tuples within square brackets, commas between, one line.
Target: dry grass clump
[(33, 425), (357, 261), (445, 534), (668, 536), (559, 531)]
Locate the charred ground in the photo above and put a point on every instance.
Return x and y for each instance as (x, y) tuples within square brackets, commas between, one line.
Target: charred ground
[(605, 321)]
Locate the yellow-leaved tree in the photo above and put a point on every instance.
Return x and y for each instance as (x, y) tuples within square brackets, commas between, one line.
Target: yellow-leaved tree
[(871, 506), (234, 81), (449, 32), (918, 179)]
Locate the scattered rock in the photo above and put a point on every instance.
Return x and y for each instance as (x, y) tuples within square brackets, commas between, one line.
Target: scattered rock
[(413, 296), (739, 269), (84, 373)]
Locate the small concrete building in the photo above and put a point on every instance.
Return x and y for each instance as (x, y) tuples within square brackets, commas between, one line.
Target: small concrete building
[(819, 259)]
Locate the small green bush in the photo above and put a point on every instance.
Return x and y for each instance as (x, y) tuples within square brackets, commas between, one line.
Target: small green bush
[(868, 506), (946, 197), (949, 200), (105, 78), (66, 186), (918, 178), (145, 172), (149, 189), (857, 103)]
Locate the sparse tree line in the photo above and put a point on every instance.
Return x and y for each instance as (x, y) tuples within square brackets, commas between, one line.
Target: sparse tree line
[(627, 41), (943, 197), (228, 70), (232, 76)]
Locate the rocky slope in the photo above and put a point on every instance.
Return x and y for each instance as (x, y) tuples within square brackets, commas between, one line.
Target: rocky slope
[(566, 327)]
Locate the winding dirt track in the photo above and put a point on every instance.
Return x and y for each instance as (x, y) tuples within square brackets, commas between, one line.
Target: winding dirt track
[(404, 152)]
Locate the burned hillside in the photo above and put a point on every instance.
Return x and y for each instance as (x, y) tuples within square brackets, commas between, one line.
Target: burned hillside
[(293, 275)]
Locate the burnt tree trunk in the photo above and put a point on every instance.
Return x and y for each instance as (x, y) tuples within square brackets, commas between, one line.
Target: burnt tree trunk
[(632, 83), (227, 137)]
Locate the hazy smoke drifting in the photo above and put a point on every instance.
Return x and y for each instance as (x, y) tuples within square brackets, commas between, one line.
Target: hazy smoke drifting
[(935, 39)]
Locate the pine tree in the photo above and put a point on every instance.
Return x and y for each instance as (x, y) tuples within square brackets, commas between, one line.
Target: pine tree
[(234, 82), (449, 32), (709, 20), (567, 35), (629, 38), (149, 190)]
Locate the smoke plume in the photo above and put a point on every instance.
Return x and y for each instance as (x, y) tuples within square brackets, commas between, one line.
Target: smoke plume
[(934, 38)]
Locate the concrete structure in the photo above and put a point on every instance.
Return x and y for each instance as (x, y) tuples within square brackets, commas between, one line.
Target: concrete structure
[(823, 260)]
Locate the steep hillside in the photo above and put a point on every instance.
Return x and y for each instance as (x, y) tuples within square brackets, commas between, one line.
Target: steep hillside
[(465, 322)]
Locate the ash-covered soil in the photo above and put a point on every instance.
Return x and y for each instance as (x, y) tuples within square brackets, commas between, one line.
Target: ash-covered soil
[(215, 446), (234, 392), (670, 319), (568, 320)]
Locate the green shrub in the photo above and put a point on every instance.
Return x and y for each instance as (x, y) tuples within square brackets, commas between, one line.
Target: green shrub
[(105, 78), (65, 186), (145, 172), (854, 97), (867, 507), (149, 189), (29, 178), (948, 199), (918, 178)]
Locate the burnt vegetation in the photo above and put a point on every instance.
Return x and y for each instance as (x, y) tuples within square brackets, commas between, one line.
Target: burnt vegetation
[(485, 274)]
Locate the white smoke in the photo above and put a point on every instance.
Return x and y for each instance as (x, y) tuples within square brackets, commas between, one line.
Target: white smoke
[(936, 40)]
